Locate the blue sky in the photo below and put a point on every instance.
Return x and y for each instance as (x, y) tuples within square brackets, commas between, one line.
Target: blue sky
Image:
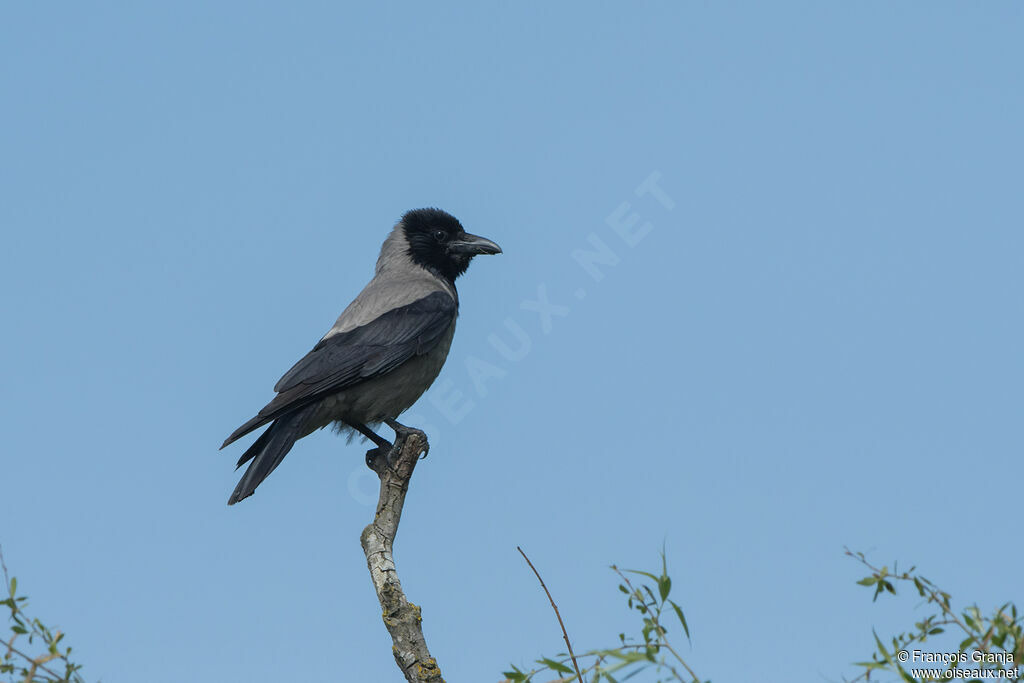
[(815, 343)]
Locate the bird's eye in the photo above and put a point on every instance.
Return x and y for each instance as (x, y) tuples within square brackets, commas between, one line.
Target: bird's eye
[(440, 235)]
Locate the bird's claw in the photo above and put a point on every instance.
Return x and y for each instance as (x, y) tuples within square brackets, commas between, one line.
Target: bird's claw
[(402, 432)]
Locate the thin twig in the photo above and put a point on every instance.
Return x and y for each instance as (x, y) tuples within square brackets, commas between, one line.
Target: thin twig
[(565, 635), (664, 639), (10, 645), (935, 594), (35, 663)]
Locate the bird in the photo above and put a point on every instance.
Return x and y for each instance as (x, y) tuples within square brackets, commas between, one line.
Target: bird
[(385, 349)]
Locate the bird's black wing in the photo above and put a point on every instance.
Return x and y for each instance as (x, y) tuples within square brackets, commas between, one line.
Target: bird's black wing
[(345, 359)]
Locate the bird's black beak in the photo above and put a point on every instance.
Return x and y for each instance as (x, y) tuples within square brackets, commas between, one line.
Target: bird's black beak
[(473, 244)]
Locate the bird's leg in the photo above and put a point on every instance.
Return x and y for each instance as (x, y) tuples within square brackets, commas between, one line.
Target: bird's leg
[(401, 431), (370, 434), (383, 445)]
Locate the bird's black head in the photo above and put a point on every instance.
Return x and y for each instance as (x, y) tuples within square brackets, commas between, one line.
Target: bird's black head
[(438, 242)]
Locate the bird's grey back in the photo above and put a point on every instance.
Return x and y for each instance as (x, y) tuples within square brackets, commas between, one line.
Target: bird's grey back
[(397, 281)]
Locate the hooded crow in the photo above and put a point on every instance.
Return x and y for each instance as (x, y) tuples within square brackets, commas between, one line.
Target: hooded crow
[(383, 352)]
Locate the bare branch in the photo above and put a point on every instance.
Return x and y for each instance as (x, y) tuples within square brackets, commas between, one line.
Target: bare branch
[(565, 635), (402, 618)]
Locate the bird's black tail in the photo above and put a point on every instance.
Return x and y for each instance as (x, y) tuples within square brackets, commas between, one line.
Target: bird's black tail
[(269, 450)]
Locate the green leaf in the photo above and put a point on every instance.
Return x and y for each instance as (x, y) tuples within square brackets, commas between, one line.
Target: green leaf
[(881, 647), (627, 656), (664, 586), (682, 619), (555, 666), (867, 581), (871, 665)]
